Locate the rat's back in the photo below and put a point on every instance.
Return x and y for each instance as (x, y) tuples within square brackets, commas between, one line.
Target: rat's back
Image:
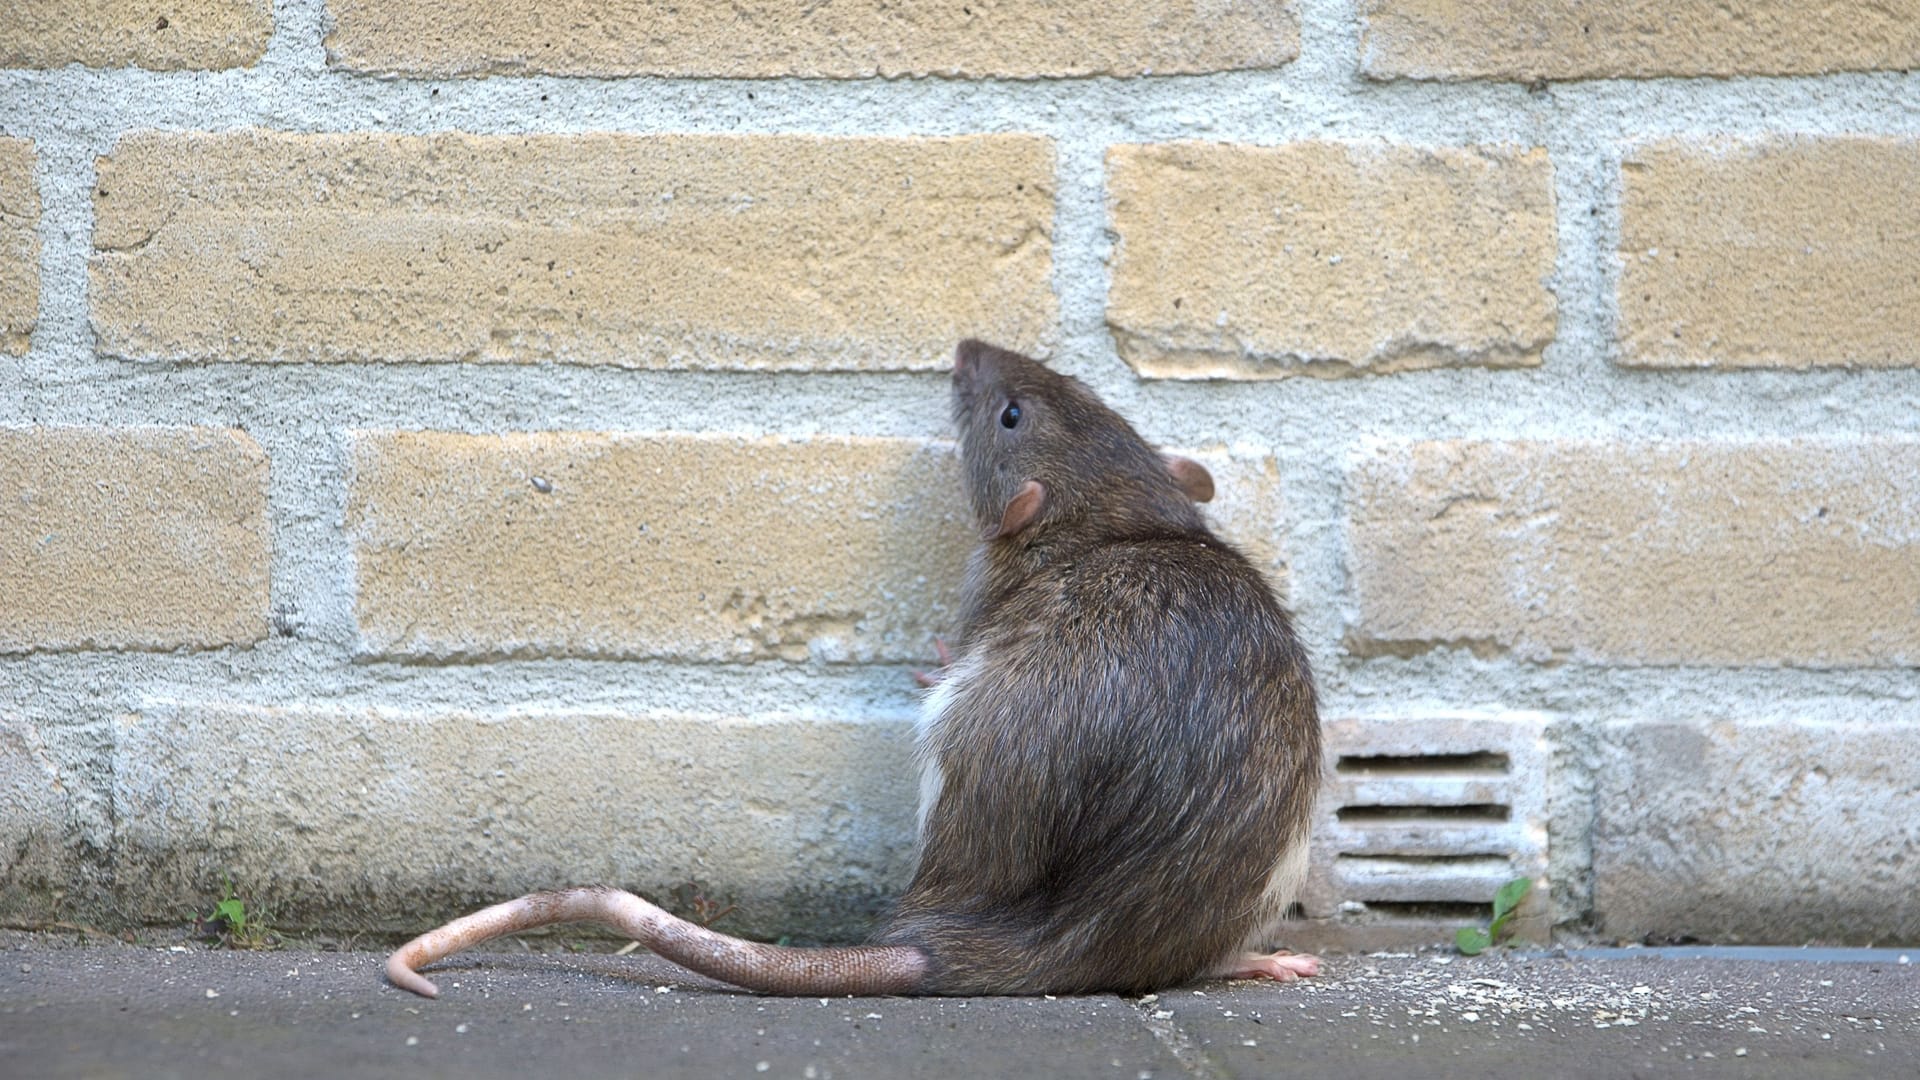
[(1126, 755)]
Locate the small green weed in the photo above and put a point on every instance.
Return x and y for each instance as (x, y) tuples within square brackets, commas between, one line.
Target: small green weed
[(1472, 940), (229, 925)]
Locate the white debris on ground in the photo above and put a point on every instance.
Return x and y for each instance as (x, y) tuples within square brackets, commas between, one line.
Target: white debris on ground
[(1655, 1004)]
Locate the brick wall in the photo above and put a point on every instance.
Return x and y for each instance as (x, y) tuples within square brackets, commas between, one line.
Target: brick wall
[(445, 453)]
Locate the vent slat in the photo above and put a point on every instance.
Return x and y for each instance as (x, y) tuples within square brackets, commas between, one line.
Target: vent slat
[(1419, 790), (1478, 763), (1436, 816)]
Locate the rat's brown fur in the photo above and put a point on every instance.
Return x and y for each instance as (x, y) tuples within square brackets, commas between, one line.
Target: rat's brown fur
[(1122, 756), (1136, 739)]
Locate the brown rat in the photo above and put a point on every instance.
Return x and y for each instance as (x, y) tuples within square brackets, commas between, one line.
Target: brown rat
[(1119, 763)]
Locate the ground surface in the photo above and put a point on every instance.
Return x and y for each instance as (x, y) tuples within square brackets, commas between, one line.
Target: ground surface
[(112, 1010)]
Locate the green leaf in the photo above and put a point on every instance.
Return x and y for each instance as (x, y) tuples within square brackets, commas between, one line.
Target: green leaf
[(234, 912), (1509, 897), (1472, 940)]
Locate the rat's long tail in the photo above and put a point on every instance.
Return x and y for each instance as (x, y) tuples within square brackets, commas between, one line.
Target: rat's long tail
[(772, 969)]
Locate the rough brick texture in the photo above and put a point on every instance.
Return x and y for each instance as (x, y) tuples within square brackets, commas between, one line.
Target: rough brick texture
[(850, 39), (149, 538), (1329, 258), (763, 252), (695, 546), (1672, 552), (698, 546), (1554, 39), (807, 820), (1785, 252), (1780, 832), (19, 246), (37, 856), (115, 33)]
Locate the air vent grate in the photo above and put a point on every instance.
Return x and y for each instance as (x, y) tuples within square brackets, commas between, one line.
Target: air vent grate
[(1421, 820)]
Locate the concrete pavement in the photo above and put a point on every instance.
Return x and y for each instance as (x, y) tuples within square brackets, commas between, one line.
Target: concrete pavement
[(105, 1009)]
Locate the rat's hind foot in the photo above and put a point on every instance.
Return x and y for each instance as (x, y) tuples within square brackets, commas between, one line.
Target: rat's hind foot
[(1282, 966)]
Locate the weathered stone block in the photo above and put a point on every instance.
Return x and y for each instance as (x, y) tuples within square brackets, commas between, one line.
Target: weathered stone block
[(1329, 258), (1774, 832), (1798, 552), (1551, 39), (386, 819), (762, 252), (1019, 39), (1786, 252), (19, 246), (132, 538), (184, 34)]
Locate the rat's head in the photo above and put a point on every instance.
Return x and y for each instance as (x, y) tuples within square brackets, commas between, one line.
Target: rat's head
[(1041, 450)]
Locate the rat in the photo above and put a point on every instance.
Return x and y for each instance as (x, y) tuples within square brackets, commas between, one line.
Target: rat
[(1119, 759)]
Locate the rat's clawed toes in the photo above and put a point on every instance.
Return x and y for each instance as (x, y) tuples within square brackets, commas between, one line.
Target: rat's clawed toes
[(1282, 966)]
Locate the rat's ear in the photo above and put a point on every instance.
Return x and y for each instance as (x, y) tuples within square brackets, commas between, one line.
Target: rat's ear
[(1022, 510), (1193, 477)]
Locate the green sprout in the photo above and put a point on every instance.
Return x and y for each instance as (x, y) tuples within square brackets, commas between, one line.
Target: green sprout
[(231, 926), (1472, 940)]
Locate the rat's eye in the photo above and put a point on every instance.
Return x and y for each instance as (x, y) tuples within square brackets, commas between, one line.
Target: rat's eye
[(1011, 415)]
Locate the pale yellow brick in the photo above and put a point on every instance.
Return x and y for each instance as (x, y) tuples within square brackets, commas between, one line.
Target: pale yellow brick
[(1785, 252), (757, 252), (1558, 39), (1249, 506), (1765, 552), (807, 821), (181, 34), (702, 546), (144, 538), (847, 39), (707, 547), (1329, 258), (19, 246)]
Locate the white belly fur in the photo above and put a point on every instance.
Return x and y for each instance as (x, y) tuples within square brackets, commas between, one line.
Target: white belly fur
[(1283, 885), (928, 726)]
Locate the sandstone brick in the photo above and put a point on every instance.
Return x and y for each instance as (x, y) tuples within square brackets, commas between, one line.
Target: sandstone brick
[(1329, 258), (1249, 506), (761, 252), (1778, 832), (1784, 252), (196, 34), (19, 246), (806, 821), (1552, 39), (37, 859), (143, 538), (1769, 552), (771, 38), (696, 546)]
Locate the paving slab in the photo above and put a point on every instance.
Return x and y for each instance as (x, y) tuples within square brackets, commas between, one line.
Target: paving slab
[(109, 1010)]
